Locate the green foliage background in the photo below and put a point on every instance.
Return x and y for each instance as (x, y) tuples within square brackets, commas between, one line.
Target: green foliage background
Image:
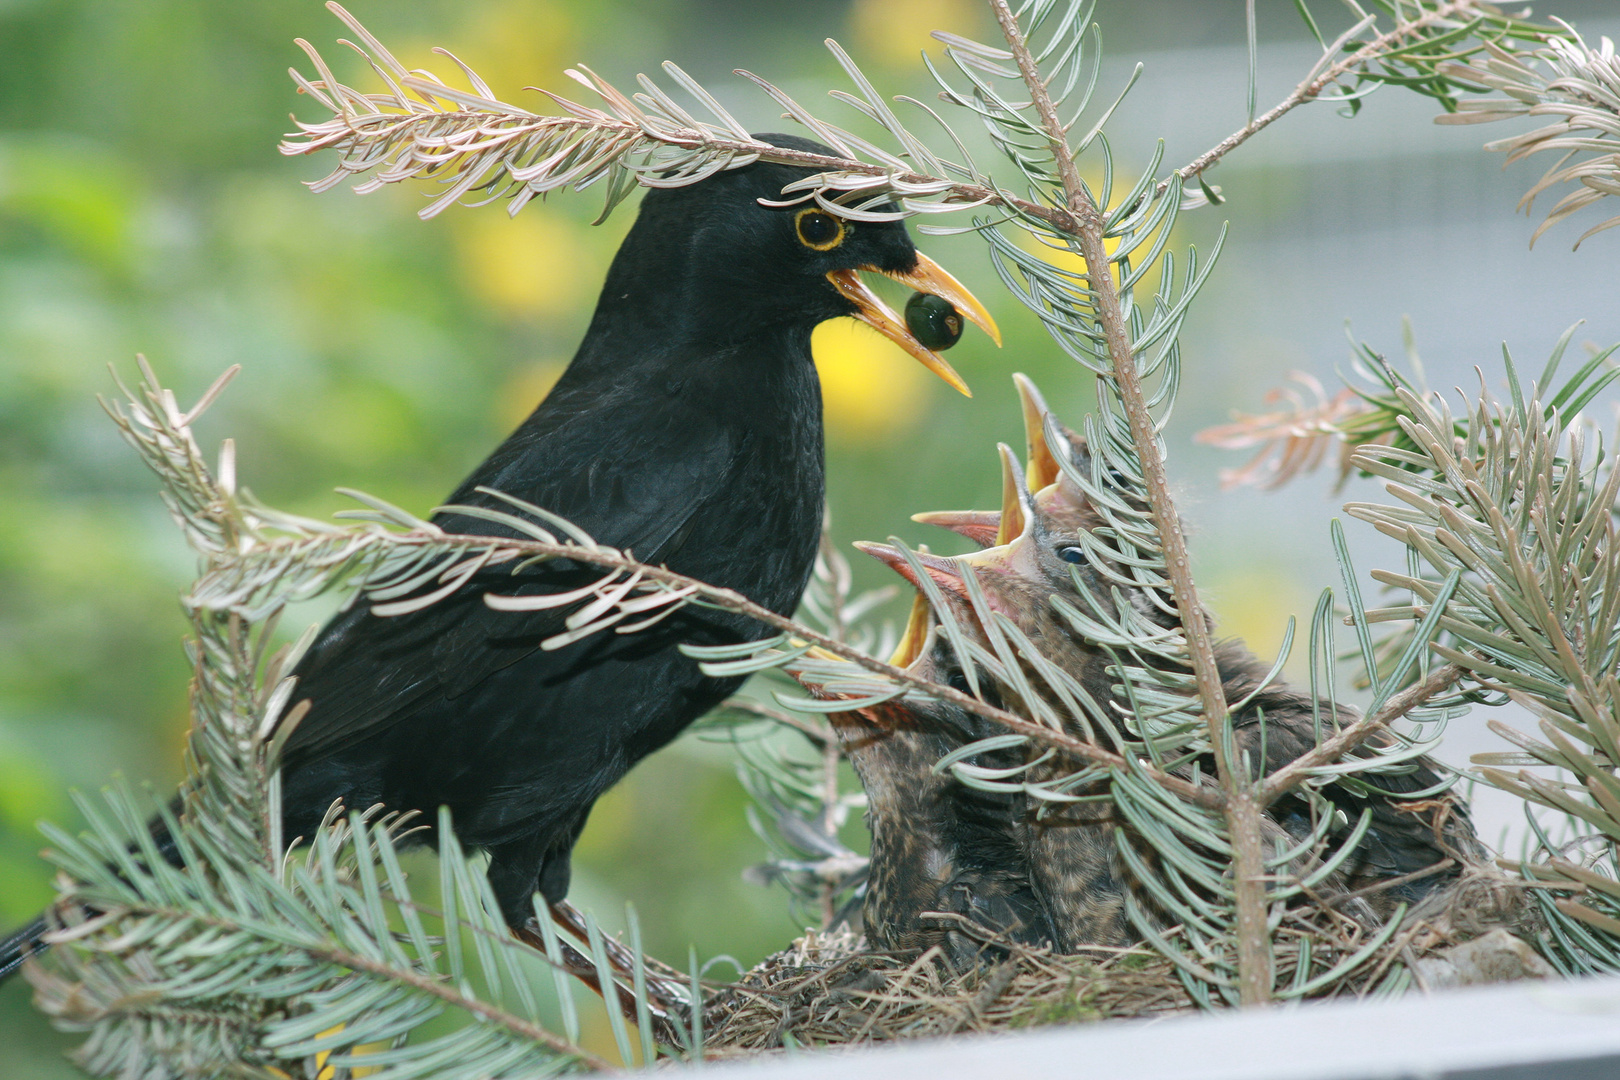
[(143, 208)]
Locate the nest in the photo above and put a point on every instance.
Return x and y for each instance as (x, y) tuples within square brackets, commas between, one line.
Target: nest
[(830, 989)]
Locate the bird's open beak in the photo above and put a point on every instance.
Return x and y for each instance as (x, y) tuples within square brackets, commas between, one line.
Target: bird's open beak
[(1017, 506), (1042, 467), (979, 526), (947, 573), (915, 639), (928, 277), (989, 528), (942, 570)]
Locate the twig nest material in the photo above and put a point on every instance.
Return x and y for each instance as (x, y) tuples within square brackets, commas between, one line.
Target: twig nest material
[(828, 989)]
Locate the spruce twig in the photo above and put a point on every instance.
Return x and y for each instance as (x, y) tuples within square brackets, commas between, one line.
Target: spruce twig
[(1328, 74), (1575, 85), (1243, 811), (483, 143), (1335, 748), (730, 600)]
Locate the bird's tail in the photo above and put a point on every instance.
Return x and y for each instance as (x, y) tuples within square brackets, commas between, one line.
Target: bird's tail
[(17, 947), (30, 939)]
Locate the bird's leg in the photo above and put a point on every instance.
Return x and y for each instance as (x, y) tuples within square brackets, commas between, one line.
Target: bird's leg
[(668, 982), (664, 1007), (514, 872)]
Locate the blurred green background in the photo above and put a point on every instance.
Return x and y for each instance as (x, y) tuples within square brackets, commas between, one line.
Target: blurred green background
[(143, 208)]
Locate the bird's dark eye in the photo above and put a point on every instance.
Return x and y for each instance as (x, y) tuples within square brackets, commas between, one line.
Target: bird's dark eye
[(819, 230), (1072, 554), (933, 321)]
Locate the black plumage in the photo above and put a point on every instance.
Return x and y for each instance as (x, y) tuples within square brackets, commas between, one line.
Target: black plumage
[(687, 430)]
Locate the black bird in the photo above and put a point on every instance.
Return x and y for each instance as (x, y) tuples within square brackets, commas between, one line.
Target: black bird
[(687, 430)]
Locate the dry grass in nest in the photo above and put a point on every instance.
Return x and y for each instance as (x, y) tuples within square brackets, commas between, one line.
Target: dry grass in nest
[(828, 989)]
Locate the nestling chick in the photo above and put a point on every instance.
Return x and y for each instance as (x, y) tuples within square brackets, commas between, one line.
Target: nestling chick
[(940, 849), (1038, 555)]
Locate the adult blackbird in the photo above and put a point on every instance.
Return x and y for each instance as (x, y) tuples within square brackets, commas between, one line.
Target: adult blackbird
[(1034, 551), (687, 430)]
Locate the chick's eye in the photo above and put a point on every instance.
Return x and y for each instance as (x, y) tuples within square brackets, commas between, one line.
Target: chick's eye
[(1071, 554), (819, 230)]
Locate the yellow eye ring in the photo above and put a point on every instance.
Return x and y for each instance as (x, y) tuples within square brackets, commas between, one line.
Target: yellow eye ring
[(818, 230)]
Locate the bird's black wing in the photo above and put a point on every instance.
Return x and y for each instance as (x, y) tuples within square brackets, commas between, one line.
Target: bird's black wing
[(367, 672)]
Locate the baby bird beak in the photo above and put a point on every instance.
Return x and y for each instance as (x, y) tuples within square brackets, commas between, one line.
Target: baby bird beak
[(941, 571), (1016, 504), (979, 526), (1041, 468), (992, 566), (914, 642), (984, 527)]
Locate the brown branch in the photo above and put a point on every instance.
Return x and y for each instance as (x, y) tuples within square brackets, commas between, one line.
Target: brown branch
[(665, 988), (685, 138), (1313, 85), (485, 1012), (1334, 749), (1116, 329), (505, 549), (1243, 813), (957, 192), (1340, 899), (736, 602)]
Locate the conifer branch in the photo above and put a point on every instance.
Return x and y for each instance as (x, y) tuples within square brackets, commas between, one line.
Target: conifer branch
[(1578, 86), (1338, 746), (1243, 812), (423, 129), (683, 589), (1328, 72), (1308, 89)]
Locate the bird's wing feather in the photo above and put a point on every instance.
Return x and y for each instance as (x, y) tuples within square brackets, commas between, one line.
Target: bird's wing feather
[(366, 672)]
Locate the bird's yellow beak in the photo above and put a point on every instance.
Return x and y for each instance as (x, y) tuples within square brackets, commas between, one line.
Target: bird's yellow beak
[(928, 277), (1042, 467), (1016, 502), (915, 639)]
